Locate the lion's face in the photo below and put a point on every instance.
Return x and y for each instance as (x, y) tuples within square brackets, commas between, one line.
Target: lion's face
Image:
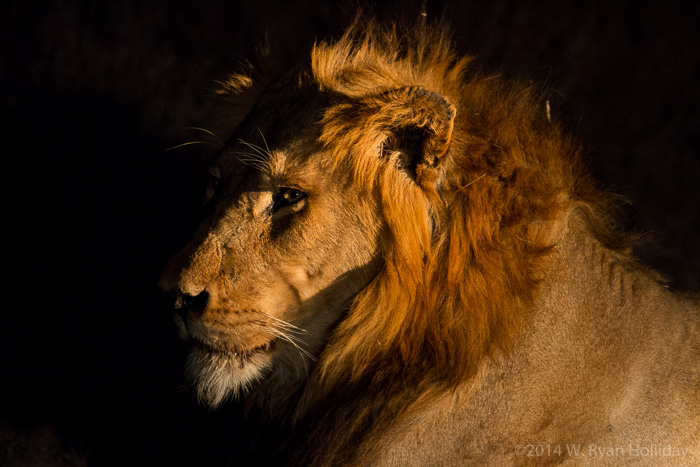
[(286, 245)]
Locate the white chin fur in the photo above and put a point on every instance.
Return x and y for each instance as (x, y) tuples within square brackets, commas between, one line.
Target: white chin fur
[(217, 376)]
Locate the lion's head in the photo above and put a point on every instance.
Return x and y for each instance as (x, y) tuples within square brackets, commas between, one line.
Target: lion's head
[(288, 242), (382, 209)]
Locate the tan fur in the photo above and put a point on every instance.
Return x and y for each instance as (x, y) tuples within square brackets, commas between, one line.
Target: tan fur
[(450, 289)]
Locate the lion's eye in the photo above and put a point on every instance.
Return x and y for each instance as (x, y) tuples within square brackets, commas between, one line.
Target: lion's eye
[(287, 197)]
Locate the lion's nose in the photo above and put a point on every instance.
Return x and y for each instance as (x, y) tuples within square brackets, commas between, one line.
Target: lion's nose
[(184, 303)]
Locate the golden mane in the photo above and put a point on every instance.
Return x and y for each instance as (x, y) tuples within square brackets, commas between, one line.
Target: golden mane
[(461, 256)]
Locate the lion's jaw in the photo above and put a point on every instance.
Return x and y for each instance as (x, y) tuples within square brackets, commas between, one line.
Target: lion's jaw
[(219, 374)]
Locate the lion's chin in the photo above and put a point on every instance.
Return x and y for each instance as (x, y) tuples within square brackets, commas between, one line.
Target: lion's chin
[(218, 376)]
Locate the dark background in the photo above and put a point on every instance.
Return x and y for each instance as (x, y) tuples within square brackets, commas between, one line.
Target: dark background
[(94, 92)]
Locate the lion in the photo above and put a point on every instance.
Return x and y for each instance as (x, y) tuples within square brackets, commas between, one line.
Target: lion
[(404, 262)]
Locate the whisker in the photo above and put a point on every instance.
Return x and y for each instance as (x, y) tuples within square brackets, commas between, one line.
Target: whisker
[(251, 158), (287, 332), (256, 148), (257, 167), (192, 142), (296, 342), (268, 147), (214, 135), (278, 327), (292, 332), (285, 323), (296, 335), (253, 162), (251, 155), (303, 352)]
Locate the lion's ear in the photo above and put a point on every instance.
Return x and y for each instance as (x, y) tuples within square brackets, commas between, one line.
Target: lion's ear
[(233, 101), (419, 124)]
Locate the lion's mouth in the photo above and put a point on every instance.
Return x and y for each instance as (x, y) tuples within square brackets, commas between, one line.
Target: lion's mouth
[(242, 356)]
